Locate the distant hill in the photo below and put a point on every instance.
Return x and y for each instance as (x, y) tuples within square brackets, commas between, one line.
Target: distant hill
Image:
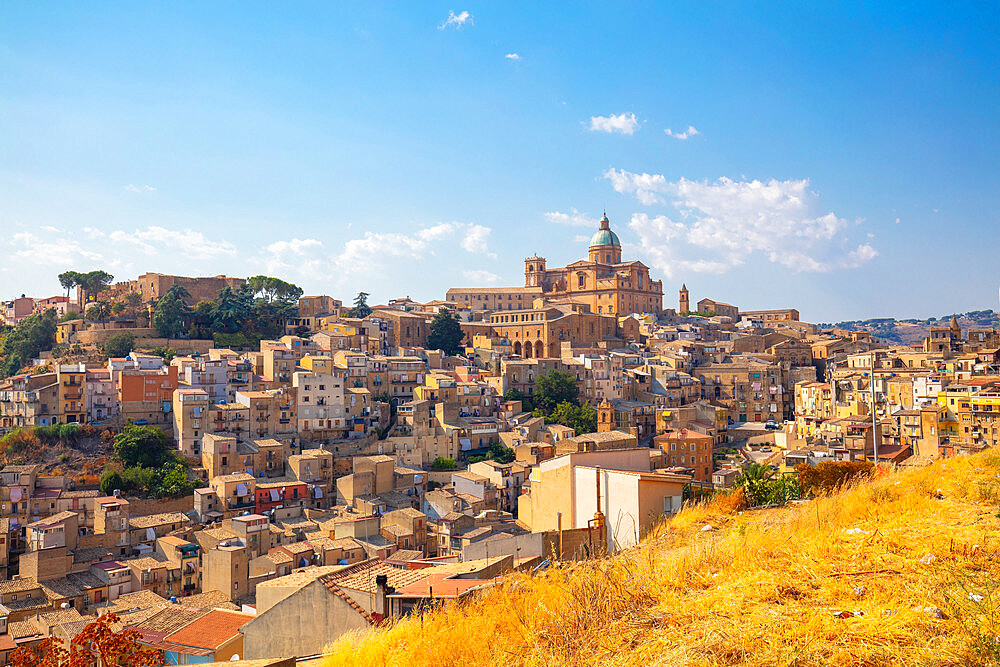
[(910, 331)]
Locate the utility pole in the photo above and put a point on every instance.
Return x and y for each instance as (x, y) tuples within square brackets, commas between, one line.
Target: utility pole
[(871, 385)]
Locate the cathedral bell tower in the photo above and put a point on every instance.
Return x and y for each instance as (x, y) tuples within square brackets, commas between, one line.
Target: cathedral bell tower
[(534, 271)]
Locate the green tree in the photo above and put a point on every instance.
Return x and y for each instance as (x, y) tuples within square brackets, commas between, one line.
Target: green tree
[(201, 319), (94, 282), (553, 388), (100, 311), (142, 446), (133, 302), (69, 280), (230, 311), (19, 345), (442, 463), (274, 301), (119, 345), (117, 308), (173, 481), (581, 418), (169, 314), (111, 481), (69, 315), (446, 333), (762, 486), (517, 395), (361, 308)]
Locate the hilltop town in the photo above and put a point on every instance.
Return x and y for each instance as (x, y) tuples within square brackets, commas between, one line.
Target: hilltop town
[(237, 470)]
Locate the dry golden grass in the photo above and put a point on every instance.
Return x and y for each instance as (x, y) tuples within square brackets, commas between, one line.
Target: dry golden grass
[(761, 589)]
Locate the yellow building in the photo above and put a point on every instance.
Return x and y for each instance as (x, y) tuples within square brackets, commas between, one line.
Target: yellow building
[(72, 379), (602, 281)]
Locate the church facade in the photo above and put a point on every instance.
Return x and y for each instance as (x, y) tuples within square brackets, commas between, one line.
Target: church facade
[(603, 281)]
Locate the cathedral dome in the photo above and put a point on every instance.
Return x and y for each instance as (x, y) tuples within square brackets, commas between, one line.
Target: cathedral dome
[(604, 235)]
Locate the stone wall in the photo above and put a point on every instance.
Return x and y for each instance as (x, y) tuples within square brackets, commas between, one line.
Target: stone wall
[(144, 506)]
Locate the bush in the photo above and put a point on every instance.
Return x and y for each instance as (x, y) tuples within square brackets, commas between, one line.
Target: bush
[(236, 340), (110, 482), (497, 452), (19, 441), (143, 447), (442, 463), (829, 476), (119, 345)]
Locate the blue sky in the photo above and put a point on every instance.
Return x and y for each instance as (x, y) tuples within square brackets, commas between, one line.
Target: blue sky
[(844, 159)]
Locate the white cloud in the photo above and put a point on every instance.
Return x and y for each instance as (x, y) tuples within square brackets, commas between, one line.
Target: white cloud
[(300, 257), (512, 56), (645, 187), (308, 258), (722, 224), (457, 20), (625, 123), (574, 218), (480, 276), (475, 240), (63, 251), (154, 239), (690, 132), (140, 188)]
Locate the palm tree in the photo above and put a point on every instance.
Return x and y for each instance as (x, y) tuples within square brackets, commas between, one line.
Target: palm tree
[(756, 481), (99, 312)]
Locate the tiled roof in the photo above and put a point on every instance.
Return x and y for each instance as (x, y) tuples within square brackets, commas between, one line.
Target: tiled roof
[(60, 616), (153, 520), (167, 620), (137, 600), (28, 603), (210, 631), (22, 629), (91, 554), (204, 601), (145, 563), (60, 588), (17, 585), (361, 576)]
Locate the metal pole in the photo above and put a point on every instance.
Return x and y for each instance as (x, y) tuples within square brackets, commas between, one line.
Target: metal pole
[(559, 528), (871, 382)]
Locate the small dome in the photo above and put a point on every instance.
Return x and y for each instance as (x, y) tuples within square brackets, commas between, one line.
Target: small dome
[(605, 237)]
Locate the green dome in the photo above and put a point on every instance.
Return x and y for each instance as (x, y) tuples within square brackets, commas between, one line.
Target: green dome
[(605, 237)]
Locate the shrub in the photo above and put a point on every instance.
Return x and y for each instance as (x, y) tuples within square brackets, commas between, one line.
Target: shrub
[(119, 345), (19, 441), (110, 482), (829, 476), (442, 463), (143, 447)]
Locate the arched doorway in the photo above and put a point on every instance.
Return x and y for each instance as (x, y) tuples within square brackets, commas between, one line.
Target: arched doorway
[(539, 349), (527, 349), (517, 348)]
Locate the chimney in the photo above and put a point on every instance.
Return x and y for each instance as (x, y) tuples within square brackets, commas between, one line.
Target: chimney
[(382, 592)]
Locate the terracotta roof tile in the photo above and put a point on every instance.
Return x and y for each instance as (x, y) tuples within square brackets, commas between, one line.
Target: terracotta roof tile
[(210, 631)]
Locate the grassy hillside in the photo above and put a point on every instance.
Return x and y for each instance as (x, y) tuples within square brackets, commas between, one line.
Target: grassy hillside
[(912, 558)]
